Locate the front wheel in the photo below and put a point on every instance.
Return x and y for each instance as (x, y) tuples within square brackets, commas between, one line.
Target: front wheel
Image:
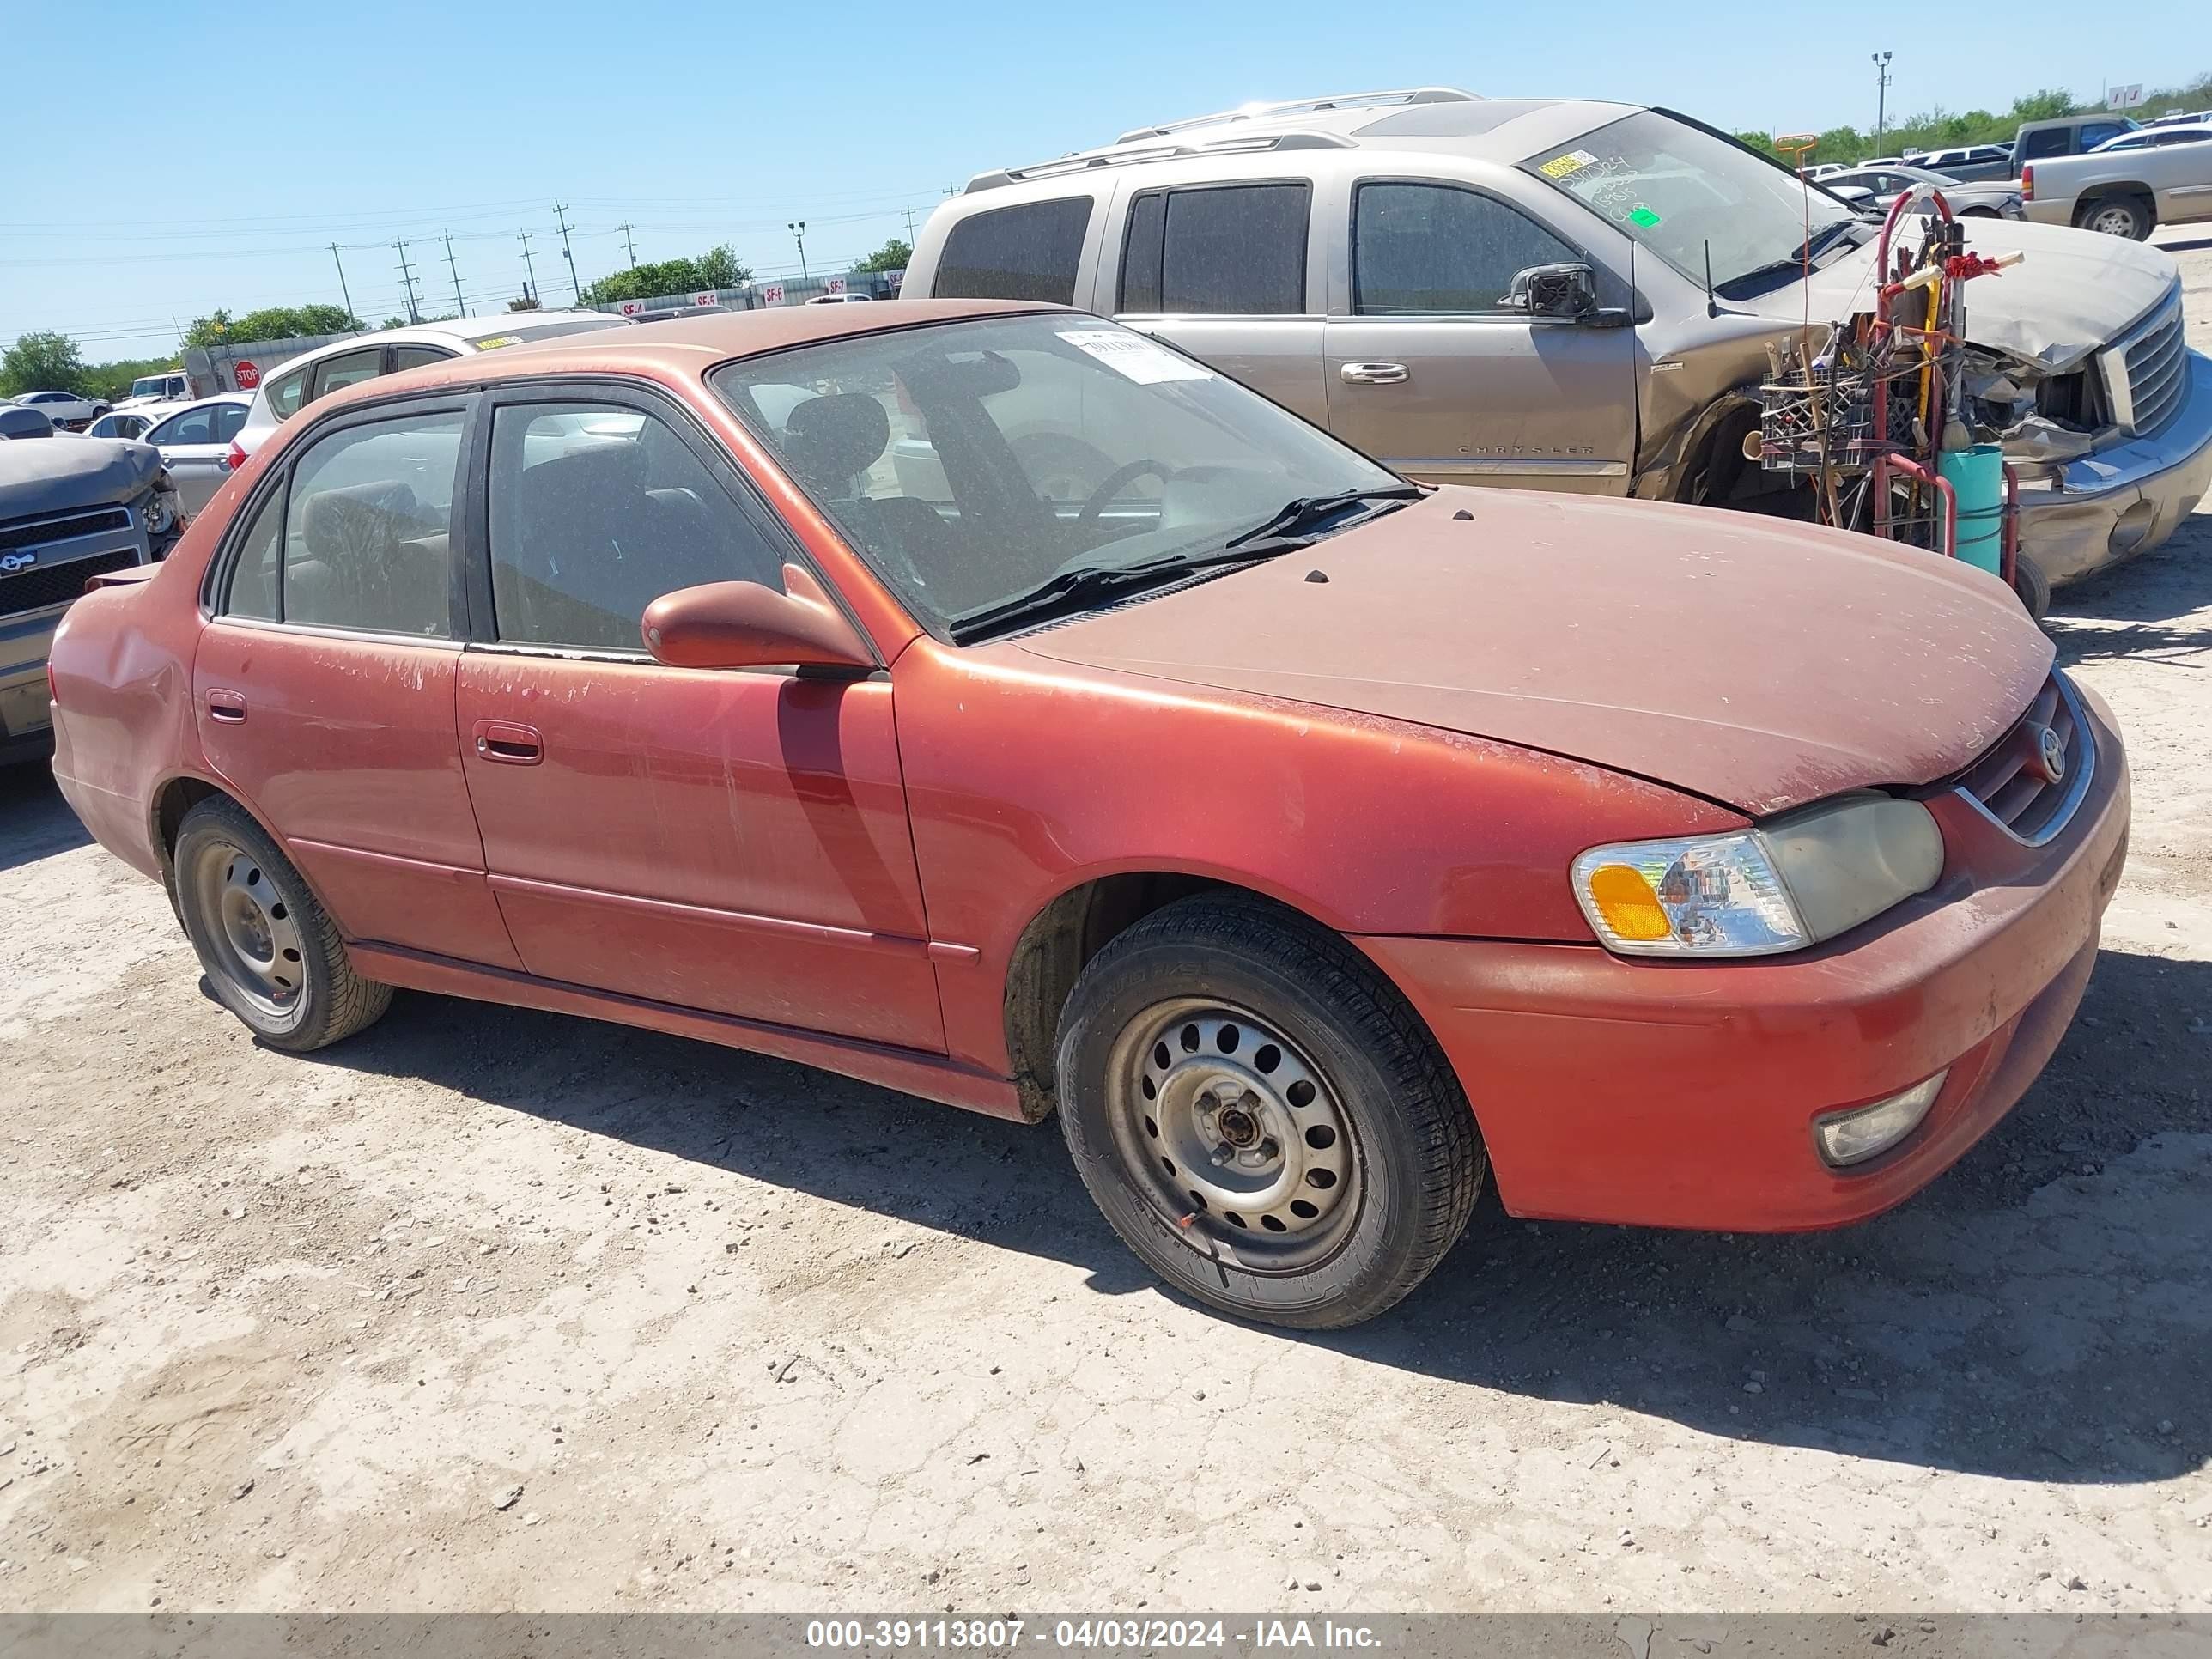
[(1261, 1118), (271, 951)]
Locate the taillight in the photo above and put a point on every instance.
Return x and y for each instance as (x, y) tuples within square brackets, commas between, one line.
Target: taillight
[(2027, 184), (236, 458)]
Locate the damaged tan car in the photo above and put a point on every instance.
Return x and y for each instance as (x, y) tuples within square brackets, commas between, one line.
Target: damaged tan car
[(1569, 295)]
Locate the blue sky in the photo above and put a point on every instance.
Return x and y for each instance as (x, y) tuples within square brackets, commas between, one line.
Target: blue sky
[(201, 155)]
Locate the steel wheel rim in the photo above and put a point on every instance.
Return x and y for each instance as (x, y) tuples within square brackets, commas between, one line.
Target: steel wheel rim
[(2113, 221), (251, 930), (1233, 1134)]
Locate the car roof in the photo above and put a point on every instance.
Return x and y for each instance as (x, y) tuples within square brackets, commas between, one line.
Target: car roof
[(469, 330), (1429, 118), (684, 348)]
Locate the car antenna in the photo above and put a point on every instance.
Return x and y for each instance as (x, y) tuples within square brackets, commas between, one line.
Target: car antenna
[(1712, 309)]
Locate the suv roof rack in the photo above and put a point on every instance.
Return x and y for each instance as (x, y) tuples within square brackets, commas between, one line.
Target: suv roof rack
[(1305, 106), (1124, 156)]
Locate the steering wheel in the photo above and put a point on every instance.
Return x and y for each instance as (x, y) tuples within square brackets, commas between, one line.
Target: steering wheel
[(1119, 480)]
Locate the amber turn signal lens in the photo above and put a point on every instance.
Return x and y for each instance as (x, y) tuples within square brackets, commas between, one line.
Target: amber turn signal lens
[(1627, 902)]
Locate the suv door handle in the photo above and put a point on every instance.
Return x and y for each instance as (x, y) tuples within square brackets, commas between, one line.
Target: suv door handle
[(1372, 374), (226, 706), (509, 743)]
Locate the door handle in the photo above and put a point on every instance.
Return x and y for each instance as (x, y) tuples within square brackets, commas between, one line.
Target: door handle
[(229, 707), (1372, 374), (509, 743)]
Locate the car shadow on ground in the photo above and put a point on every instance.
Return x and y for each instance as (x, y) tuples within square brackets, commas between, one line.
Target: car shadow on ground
[(35, 822), (2140, 608), (2038, 1314)]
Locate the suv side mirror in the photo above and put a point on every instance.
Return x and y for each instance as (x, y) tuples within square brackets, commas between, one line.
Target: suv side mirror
[(1567, 291), (747, 625)]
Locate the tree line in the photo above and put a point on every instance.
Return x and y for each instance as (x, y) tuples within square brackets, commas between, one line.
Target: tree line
[(1942, 129)]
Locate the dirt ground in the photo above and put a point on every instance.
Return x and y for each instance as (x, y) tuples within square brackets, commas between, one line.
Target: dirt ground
[(490, 1311)]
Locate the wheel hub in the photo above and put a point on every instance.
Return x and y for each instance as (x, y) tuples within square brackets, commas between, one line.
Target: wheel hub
[(255, 938), (1235, 1134)]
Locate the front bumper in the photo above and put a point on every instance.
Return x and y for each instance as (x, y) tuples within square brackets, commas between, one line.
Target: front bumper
[(1683, 1094), (2094, 512), (26, 724)]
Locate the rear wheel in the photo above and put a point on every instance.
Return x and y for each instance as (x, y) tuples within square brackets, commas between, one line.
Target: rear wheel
[(1260, 1116), (272, 955), (2117, 215)]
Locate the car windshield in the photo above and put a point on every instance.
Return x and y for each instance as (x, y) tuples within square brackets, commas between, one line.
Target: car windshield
[(1685, 193), (972, 464)]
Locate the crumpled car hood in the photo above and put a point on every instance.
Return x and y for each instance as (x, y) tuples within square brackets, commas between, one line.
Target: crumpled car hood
[(2070, 295), (1760, 664), (63, 474)]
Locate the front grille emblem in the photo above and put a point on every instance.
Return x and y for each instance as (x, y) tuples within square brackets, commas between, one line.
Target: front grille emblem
[(11, 562), (2050, 755)]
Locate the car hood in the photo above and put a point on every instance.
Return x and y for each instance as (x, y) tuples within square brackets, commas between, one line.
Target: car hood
[(2070, 294), (37, 477), (1757, 663)]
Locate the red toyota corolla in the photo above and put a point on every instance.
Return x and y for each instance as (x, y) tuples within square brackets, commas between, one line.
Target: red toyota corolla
[(984, 701)]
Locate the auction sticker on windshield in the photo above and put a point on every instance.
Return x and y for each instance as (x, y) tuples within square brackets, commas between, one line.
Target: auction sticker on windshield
[(1565, 166), (1134, 356)]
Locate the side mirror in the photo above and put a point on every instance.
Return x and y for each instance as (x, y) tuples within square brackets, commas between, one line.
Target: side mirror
[(1566, 292), (746, 625)]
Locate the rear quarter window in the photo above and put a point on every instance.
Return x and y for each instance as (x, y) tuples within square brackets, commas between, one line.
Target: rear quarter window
[(1028, 251)]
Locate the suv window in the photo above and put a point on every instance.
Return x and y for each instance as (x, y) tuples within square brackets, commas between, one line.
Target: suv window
[(1222, 250), (1429, 249), (414, 356), (1026, 252), (348, 368), (365, 528), (598, 509), (284, 393)]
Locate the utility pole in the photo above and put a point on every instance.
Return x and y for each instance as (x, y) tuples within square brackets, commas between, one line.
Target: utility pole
[(575, 287), (1882, 98), (407, 275), (530, 270), (909, 227), (340, 264), (631, 242), (460, 306), (798, 230)]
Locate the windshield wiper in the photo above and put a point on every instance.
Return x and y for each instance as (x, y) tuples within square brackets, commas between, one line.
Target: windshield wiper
[(1088, 584), (1738, 286), (1304, 513)]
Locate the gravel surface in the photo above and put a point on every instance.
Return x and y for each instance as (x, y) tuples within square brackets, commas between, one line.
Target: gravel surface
[(490, 1310)]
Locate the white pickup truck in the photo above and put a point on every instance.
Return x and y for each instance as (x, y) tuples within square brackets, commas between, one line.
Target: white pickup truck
[(2123, 192)]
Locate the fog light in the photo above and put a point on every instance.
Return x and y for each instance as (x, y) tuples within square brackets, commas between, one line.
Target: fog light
[(1865, 1131)]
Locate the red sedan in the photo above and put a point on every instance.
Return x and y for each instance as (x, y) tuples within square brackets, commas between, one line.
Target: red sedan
[(984, 701)]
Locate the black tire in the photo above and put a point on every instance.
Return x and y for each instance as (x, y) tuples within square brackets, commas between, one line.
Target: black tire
[(2117, 215), (1415, 1160), (310, 996), (2032, 584)]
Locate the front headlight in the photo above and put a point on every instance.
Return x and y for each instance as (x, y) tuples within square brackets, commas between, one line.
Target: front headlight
[(1797, 879)]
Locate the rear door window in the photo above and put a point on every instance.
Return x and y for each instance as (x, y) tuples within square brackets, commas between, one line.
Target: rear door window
[(1237, 249), (1030, 252), (348, 368), (414, 356), (365, 541), (2050, 142), (229, 418), (1420, 250)]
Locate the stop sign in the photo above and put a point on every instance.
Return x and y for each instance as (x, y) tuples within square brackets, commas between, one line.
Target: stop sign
[(249, 375)]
